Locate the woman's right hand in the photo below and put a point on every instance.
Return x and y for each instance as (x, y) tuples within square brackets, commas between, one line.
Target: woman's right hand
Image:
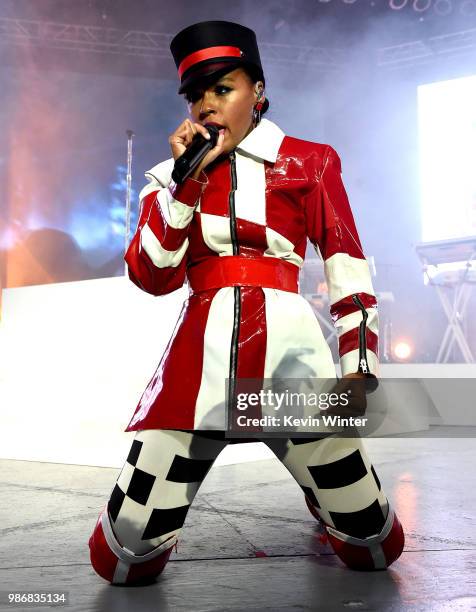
[(183, 136)]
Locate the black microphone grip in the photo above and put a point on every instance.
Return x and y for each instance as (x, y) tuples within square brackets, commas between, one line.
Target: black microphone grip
[(193, 155)]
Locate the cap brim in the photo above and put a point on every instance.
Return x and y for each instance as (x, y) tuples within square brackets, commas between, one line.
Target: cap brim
[(206, 74)]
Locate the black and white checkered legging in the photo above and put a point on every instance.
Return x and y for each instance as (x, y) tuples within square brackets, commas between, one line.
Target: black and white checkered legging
[(164, 470)]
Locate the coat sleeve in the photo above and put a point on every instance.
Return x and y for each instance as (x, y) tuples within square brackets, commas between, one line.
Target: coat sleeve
[(156, 256), (353, 306)]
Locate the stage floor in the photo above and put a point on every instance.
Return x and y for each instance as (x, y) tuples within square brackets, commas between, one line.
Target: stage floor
[(249, 542)]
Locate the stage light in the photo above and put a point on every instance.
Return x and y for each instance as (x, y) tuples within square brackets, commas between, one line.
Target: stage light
[(447, 123), (402, 350), (398, 5), (443, 7), (421, 5), (468, 8)]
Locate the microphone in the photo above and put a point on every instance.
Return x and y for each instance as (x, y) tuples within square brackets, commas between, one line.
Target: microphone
[(189, 160)]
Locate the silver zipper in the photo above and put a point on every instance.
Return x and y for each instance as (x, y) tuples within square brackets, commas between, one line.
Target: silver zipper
[(237, 290), (363, 363)]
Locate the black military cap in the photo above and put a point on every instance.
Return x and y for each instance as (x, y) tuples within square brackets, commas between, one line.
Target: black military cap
[(214, 48)]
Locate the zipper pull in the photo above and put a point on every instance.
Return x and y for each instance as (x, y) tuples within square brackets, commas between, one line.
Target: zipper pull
[(364, 368)]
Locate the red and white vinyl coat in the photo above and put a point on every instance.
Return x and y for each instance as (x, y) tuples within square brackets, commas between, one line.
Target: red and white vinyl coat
[(239, 237)]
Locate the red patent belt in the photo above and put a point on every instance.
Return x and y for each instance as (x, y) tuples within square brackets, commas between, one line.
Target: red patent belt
[(233, 270)]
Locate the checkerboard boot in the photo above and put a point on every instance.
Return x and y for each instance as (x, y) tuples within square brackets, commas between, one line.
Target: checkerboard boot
[(118, 565), (373, 553)]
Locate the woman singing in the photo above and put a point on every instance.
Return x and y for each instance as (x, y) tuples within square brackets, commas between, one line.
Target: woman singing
[(236, 229)]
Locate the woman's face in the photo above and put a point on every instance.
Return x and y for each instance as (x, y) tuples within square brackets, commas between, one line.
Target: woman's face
[(228, 103)]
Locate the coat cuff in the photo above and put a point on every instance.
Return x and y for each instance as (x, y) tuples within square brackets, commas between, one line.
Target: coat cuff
[(349, 362), (190, 190)]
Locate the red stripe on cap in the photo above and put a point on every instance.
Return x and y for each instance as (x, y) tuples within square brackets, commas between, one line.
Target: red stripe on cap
[(205, 54)]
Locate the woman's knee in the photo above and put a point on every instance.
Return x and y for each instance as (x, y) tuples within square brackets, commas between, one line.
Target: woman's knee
[(119, 565)]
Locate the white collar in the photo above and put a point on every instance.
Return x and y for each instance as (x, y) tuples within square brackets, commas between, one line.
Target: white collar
[(264, 141)]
